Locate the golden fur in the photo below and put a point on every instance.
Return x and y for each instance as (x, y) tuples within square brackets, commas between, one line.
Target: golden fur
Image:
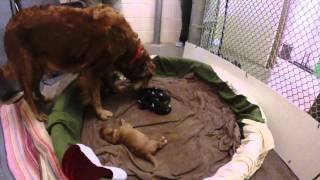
[(93, 42)]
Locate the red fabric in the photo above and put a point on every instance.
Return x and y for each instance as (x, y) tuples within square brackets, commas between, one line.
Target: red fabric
[(136, 56), (76, 166)]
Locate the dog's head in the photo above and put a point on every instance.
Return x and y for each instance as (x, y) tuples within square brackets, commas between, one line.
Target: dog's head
[(139, 68)]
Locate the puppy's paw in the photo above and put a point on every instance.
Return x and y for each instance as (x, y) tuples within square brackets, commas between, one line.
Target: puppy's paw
[(104, 114), (163, 141), (42, 117)]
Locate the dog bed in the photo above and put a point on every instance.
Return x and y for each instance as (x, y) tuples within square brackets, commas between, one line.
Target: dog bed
[(201, 130), (65, 125)]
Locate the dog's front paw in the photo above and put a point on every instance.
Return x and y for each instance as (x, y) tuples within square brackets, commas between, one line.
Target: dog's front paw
[(104, 114)]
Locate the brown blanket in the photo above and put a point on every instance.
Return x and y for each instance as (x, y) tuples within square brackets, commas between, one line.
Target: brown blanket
[(201, 130)]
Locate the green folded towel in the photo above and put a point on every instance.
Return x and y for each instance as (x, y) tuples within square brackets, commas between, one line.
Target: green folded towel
[(65, 121)]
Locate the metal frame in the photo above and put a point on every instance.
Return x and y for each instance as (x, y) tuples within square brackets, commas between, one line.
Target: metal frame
[(238, 33), (15, 6), (157, 22)]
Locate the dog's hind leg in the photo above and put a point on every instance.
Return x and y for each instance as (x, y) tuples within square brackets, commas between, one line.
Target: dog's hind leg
[(156, 145), (27, 81), (22, 62)]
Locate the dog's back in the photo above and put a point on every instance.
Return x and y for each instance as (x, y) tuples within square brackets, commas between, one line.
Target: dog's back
[(93, 42), (64, 37)]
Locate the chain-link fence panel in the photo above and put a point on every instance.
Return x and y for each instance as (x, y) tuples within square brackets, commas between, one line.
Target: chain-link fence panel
[(278, 42), (210, 19)]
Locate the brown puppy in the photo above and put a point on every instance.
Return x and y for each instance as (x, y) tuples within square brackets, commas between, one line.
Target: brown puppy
[(135, 141), (93, 42)]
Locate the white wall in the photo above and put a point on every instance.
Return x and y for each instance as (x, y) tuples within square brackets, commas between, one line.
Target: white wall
[(296, 134), (171, 21), (140, 14)]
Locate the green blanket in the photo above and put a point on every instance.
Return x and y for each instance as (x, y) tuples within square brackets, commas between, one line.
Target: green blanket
[(65, 122)]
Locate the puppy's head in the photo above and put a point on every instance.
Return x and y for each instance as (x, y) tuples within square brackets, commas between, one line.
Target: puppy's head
[(109, 134), (139, 68)]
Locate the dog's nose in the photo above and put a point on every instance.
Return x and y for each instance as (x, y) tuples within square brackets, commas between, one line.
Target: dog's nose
[(10, 91)]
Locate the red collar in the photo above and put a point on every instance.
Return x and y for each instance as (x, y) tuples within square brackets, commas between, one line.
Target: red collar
[(137, 55)]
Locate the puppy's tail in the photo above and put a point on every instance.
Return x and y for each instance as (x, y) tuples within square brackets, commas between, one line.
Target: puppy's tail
[(148, 157), (154, 161)]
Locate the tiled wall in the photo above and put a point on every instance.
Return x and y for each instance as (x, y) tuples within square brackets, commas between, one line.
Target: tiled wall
[(171, 21), (140, 14)]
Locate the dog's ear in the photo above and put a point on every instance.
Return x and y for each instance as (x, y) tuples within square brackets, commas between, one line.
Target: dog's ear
[(150, 66), (106, 133), (8, 72)]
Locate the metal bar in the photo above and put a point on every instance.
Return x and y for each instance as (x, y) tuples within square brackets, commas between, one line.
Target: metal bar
[(279, 35), (12, 7), (223, 28), (157, 22), (18, 5)]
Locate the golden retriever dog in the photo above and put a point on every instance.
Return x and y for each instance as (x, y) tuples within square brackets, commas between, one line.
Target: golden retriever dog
[(93, 42)]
